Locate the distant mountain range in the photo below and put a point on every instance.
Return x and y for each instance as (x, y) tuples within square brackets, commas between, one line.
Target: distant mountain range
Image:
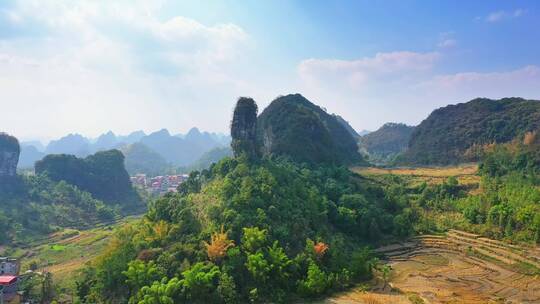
[(168, 150)]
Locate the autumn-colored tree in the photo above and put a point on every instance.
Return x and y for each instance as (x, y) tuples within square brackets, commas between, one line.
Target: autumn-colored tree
[(156, 233), (529, 138), (320, 249), (218, 246)]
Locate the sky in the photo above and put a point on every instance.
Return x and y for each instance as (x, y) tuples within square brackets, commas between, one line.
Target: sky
[(91, 66)]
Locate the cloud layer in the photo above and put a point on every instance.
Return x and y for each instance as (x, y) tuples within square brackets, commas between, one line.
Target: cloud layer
[(89, 66), (116, 63)]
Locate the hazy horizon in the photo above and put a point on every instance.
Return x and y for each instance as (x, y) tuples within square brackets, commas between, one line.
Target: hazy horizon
[(88, 67)]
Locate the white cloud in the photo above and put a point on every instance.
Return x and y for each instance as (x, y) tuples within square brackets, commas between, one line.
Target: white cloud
[(502, 15), (405, 92), (524, 82), (88, 66), (447, 43), (358, 72), (446, 40)]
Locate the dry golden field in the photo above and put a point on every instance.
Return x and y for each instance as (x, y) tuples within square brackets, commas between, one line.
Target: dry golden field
[(466, 174)]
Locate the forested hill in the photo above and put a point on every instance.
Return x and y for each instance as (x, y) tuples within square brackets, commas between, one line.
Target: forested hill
[(293, 126), (347, 126), (254, 229), (388, 141), (102, 174), (453, 133)]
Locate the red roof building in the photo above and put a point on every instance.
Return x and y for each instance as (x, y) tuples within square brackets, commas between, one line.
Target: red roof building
[(6, 280)]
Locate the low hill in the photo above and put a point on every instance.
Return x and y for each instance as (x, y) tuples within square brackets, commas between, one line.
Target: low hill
[(29, 155), (388, 141), (141, 159), (102, 174), (211, 157), (293, 126), (450, 133)]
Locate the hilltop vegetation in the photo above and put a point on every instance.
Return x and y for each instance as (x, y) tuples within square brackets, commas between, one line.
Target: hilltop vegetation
[(454, 133), (292, 126), (272, 231), (387, 142)]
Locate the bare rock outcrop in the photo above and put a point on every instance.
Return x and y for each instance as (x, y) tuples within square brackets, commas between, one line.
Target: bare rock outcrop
[(9, 155), (244, 128)]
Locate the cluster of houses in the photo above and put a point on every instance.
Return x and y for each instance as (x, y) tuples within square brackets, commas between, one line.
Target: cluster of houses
[(9, 280), (158, 185)]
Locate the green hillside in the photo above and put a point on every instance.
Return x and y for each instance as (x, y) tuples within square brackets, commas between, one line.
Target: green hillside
[(452, 134)]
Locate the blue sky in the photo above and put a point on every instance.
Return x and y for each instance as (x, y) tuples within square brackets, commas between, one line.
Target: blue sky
[(91, 66)]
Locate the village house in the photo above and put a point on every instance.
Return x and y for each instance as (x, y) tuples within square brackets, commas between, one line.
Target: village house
[(9, 279)]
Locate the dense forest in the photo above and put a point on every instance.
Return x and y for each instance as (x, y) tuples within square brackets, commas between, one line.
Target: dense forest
[(384, 144), (454, 133)]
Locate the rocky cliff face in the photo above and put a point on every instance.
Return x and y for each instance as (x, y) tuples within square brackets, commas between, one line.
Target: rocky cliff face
[(9, 155), (244, 128)]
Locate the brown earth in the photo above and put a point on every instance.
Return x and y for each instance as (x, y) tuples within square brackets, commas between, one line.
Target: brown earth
[(457, 268)]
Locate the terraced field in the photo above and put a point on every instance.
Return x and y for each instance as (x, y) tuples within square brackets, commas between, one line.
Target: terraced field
[(458, 268), (465, 268)]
